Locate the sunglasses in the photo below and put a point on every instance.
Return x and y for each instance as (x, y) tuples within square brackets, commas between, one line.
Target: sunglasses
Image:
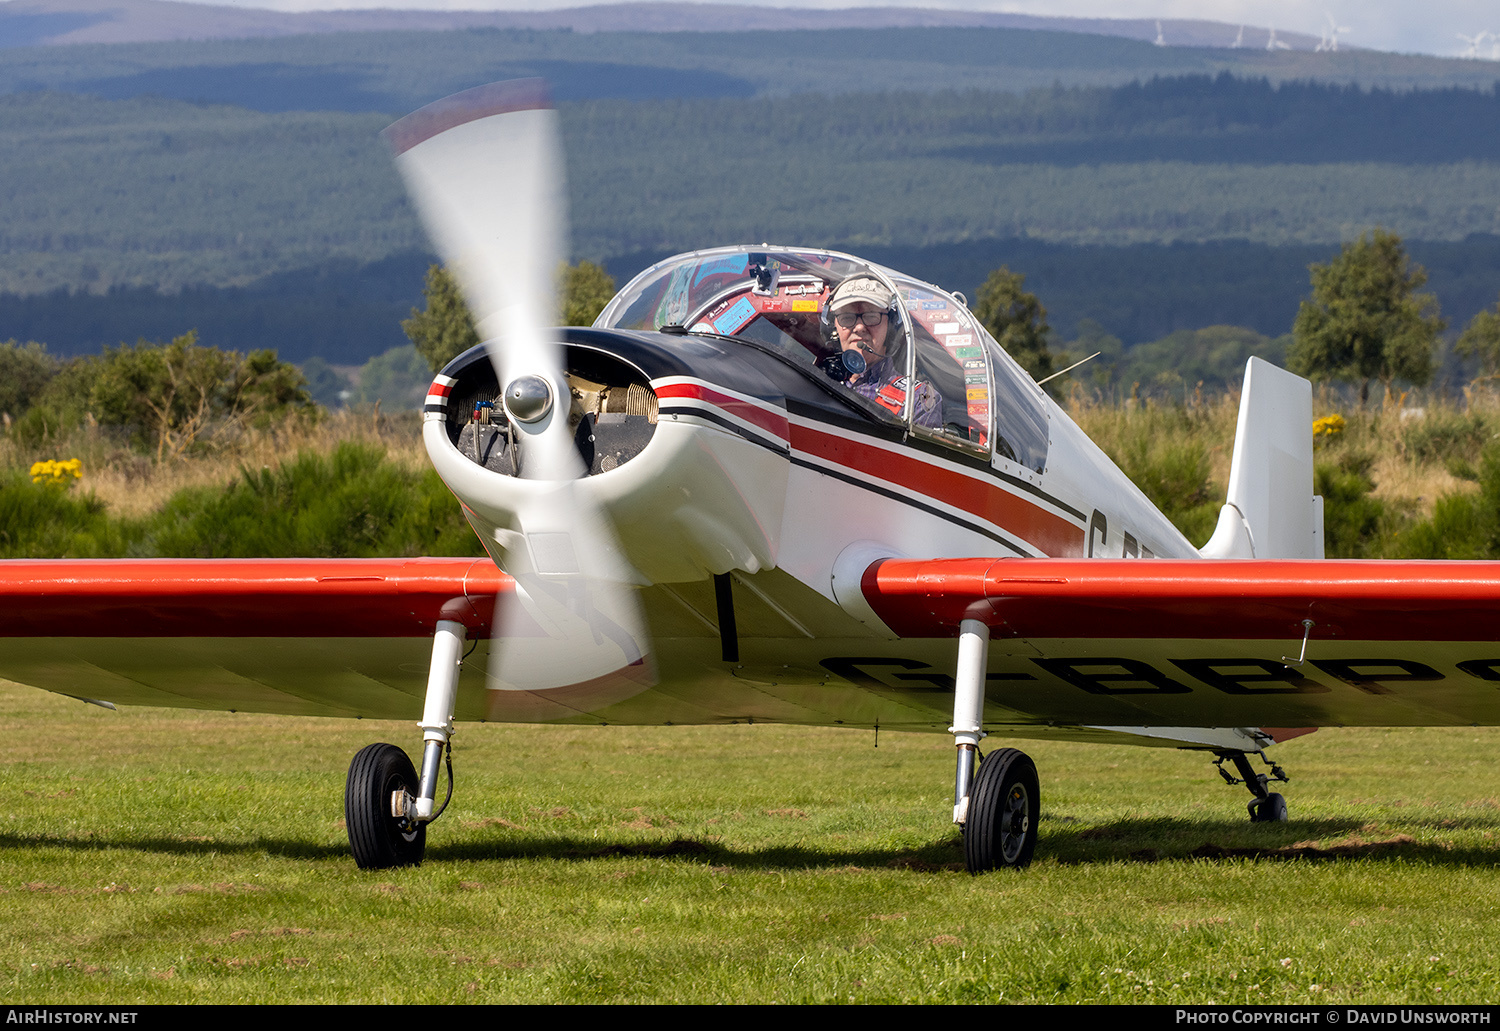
[(869, 318)]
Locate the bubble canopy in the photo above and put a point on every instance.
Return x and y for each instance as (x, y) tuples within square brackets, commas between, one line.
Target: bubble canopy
[(932, 368)]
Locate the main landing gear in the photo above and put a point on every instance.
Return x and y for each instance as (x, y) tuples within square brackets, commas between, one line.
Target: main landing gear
[(999, 807), (1266, 806), (387, 807)]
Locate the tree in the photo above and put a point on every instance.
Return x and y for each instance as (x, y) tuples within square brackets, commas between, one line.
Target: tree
[(1016, 319), (1481, 339), (24, 370), (397, 378), (445, 329), (587, 288), (1365, 319), (171, 394)]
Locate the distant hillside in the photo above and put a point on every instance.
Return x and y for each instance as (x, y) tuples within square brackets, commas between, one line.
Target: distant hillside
[(56, 22), (396, 71)]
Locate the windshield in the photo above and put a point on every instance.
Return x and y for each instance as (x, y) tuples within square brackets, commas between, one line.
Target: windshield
[(780, 299), (904, 350)]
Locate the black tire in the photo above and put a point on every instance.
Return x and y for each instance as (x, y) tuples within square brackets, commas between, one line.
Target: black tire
[(1271, 809), (1004, 807), (379, 840)]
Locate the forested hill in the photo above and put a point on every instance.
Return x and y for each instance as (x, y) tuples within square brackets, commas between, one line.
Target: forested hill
[(256, 207)]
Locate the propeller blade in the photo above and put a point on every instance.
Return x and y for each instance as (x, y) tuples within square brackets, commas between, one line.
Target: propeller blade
[(485, 170), (574, 584)]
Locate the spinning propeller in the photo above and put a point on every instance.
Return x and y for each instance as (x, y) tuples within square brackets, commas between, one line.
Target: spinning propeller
[(486, 172)]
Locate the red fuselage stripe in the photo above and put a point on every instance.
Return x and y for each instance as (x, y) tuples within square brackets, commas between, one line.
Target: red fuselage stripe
[(1052, 534), (770, 421)]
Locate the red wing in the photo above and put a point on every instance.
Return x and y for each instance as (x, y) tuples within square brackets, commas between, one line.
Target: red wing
[(325, 637), (1217, 643), (1211, 600), (344, 598)]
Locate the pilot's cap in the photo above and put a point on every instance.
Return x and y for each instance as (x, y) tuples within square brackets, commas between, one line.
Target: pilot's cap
[(863, 288)]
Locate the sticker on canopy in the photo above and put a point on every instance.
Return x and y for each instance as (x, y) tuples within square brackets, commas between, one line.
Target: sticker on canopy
[(739, 313), (913, 294), (674, 306), (733, 264), (944, 328), (959, 340), (979, 408), (977, 393), (966, 352), (805, 305), (934, 305)]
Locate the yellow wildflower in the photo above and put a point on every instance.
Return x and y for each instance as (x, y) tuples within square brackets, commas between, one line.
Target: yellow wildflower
[(56, 473), (1328, 427)]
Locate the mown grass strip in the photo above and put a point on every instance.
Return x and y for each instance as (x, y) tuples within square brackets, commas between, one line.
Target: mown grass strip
[(178, 856)]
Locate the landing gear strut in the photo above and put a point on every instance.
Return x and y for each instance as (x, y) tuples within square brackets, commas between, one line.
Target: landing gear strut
[(999, 808), (387, 807), (1266, 806)]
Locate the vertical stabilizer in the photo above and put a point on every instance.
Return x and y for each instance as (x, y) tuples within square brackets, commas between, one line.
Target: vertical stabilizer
[(1272, 511)]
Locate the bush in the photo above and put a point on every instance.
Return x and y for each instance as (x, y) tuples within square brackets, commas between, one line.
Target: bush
[(1463, 526), (352, 503), (24, 371), (1355, 524), (39, 520)]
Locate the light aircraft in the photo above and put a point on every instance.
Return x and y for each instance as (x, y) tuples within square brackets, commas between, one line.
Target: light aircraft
[(712, 507)]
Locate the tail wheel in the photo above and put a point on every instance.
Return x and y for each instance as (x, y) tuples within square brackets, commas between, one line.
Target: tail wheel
[(1004, 806), (1271, 809), (379, 840)]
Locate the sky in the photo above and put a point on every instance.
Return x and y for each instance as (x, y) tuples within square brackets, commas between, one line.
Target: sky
[(1406, 26)]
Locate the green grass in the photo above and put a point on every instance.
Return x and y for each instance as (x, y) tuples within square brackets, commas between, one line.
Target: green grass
[(156, 856)]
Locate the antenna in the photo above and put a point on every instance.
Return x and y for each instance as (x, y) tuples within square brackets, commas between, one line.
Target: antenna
[(1070, 368)]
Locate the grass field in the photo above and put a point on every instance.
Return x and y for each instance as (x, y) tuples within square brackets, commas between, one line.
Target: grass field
[(157, 856)]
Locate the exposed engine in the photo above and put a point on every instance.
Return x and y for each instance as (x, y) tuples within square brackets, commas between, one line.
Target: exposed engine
[(612, 412)]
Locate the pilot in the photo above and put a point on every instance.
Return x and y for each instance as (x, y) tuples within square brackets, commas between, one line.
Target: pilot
[(865, 318)]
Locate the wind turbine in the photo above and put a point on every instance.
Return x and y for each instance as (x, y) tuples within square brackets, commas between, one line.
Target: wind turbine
[(1330, 41), (1160, 39), (1474, 41), (1272, 43), (1239, 39)]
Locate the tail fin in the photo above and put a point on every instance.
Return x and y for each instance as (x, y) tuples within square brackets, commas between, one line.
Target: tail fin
[(1272, 511)]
